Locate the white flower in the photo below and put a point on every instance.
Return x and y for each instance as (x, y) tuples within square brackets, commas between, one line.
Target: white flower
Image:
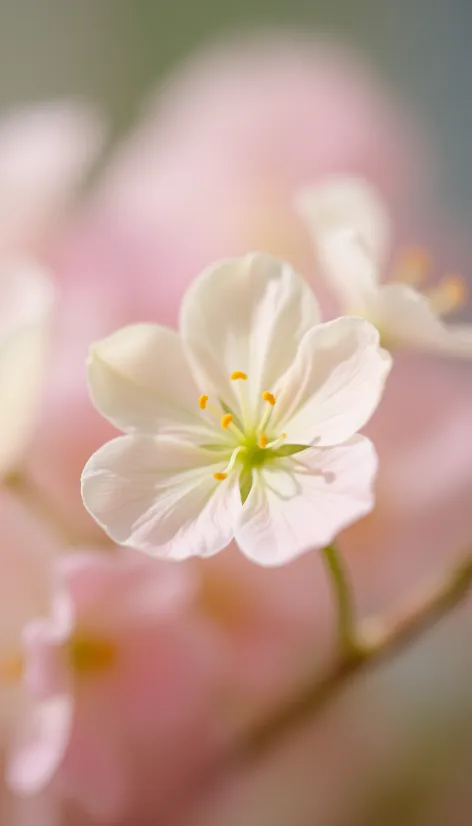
[(351, 234), (26, 298), (243, 426)]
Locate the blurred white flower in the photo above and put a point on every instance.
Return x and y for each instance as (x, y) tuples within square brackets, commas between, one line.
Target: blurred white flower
[(351, 233), (243, 426), (26, 300), (45, 151)]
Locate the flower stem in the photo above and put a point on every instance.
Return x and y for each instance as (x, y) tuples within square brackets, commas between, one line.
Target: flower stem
[(343, 598), (376, 639)]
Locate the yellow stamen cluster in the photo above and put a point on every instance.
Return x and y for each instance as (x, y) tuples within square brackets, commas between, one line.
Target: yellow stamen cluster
[(243, 431), (413, 267), (449, 294)]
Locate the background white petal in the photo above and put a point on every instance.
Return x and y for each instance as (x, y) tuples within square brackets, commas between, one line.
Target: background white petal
[(334, 384), (350, 271), (26, 300), (346, 202), (246, 314), (405, 318), (160, 496), (45, 150), (140, 380), (294, 510)]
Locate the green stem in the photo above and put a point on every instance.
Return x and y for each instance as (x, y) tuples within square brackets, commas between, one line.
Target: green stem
[(377, 639), (343, 598)]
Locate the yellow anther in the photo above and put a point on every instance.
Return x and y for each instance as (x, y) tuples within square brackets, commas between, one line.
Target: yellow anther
[(413, 265), (220, 477), (238, 374), (284, 435), (226, 421), (268, 397), (202, 402), (450, 294), (263, 441)]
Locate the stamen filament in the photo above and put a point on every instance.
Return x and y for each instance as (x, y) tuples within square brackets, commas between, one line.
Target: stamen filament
[(221, 475), (270, 399), (277, 442)]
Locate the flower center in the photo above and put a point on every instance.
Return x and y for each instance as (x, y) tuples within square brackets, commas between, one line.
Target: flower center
[(249, 442), (414, 266), (91, 655)]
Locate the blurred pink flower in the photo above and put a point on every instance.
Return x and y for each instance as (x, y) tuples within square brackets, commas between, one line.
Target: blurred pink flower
[(119, 679)]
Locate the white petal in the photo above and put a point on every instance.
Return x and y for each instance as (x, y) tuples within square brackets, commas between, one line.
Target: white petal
[(26, 298), (246, 314), (405, 318), (40, 744), (45, 150), (342, 202), (160, 496), (140, 380), (349, 270), (306, 504), (334, 385)]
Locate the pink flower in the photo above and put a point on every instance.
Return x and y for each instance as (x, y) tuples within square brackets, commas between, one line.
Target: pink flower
[(120, 681)]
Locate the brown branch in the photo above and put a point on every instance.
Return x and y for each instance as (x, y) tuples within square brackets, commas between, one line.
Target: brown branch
[(378, 639)]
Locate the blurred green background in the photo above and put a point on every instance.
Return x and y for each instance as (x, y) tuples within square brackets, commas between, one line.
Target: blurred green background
[(114, 51)]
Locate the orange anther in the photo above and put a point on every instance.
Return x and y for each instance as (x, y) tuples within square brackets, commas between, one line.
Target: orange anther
[(268, 397)]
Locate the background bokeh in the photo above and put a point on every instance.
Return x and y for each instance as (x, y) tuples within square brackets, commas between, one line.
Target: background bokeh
[(113, 51)]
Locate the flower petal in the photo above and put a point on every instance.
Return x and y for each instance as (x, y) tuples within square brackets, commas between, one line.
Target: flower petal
[(350, 203), (40, 744), (349, 270), (405, 318), (45, 151), (304, 504), (334, 385), (160, 496), (246, 314), (25, 313), (140, 380)]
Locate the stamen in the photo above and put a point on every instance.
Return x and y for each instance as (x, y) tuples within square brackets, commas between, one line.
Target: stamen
[(450, 294), (226, 421), (202, 402), (278, 442), (268, 397), (263, 441), (412, 266), (238, 374), (220, 477)]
